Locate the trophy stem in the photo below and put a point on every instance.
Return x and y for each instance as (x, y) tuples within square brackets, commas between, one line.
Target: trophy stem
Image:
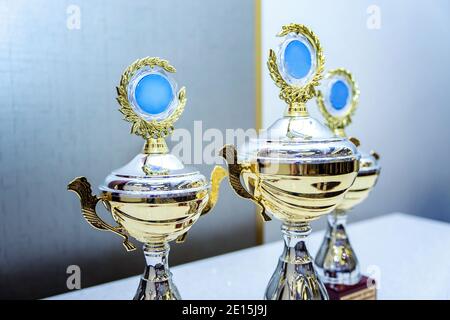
[(295, 277), (156, 282), (336, 260)]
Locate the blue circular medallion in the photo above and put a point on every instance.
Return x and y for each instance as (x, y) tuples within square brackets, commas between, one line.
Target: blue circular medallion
[(297, 59), (339, 95), (153, 94)]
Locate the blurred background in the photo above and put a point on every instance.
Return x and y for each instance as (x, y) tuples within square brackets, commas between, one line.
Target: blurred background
[(61, 60), (399, 54)]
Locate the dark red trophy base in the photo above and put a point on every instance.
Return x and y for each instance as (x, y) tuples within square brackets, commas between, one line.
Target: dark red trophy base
[(363, 290)]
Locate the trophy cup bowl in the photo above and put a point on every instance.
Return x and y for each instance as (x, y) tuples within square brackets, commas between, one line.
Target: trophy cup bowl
[(297, 170), (167, 212), (336, 260), (154, 198), (365, 181), (298, 191)]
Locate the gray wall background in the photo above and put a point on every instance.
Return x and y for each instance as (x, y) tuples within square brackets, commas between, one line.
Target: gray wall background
[(58, 120), (403, 71)]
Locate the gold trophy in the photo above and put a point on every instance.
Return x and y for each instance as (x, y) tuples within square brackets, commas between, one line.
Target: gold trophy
[(154, 198), (336, 260), (297, 170)]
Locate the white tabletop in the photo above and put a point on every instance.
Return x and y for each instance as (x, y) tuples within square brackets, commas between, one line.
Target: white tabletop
[(409, 256)]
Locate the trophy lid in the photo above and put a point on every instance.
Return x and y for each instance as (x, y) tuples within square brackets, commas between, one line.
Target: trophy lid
[(148, 98), (337, 102), (297, 140), (297, 137), (154, 175)]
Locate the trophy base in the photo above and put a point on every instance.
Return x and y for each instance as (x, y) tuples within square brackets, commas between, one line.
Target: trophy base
[(365, 289)]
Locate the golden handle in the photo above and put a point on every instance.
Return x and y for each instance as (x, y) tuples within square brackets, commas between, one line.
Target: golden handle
[(355, 141), (89, 201), (375, 155), (235, 170), (217, 175)]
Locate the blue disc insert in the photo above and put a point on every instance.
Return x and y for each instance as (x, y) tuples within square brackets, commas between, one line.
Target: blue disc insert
[(153, 94), (297, 59), (339, 95)]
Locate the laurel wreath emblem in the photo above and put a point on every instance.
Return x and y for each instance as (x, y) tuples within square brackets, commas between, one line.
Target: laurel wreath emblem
[(335, 122), (140, 126), (293, 94)]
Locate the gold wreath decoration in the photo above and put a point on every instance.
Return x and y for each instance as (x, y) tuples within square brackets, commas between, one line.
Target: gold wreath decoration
[(140, 126), (293, 94), (335, 122)]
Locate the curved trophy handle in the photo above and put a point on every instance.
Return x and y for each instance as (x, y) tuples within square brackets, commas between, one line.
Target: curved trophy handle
[(89, 201), (217, 175), (375, 155), (355, 141), (235, 169)]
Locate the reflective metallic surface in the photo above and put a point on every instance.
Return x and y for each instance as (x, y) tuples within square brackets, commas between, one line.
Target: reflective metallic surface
[(297, 170), (156, 281), (89, 202), (154, 198), (364, 183), (154, 221), (336, 260), (305, 192), (294, 277)]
